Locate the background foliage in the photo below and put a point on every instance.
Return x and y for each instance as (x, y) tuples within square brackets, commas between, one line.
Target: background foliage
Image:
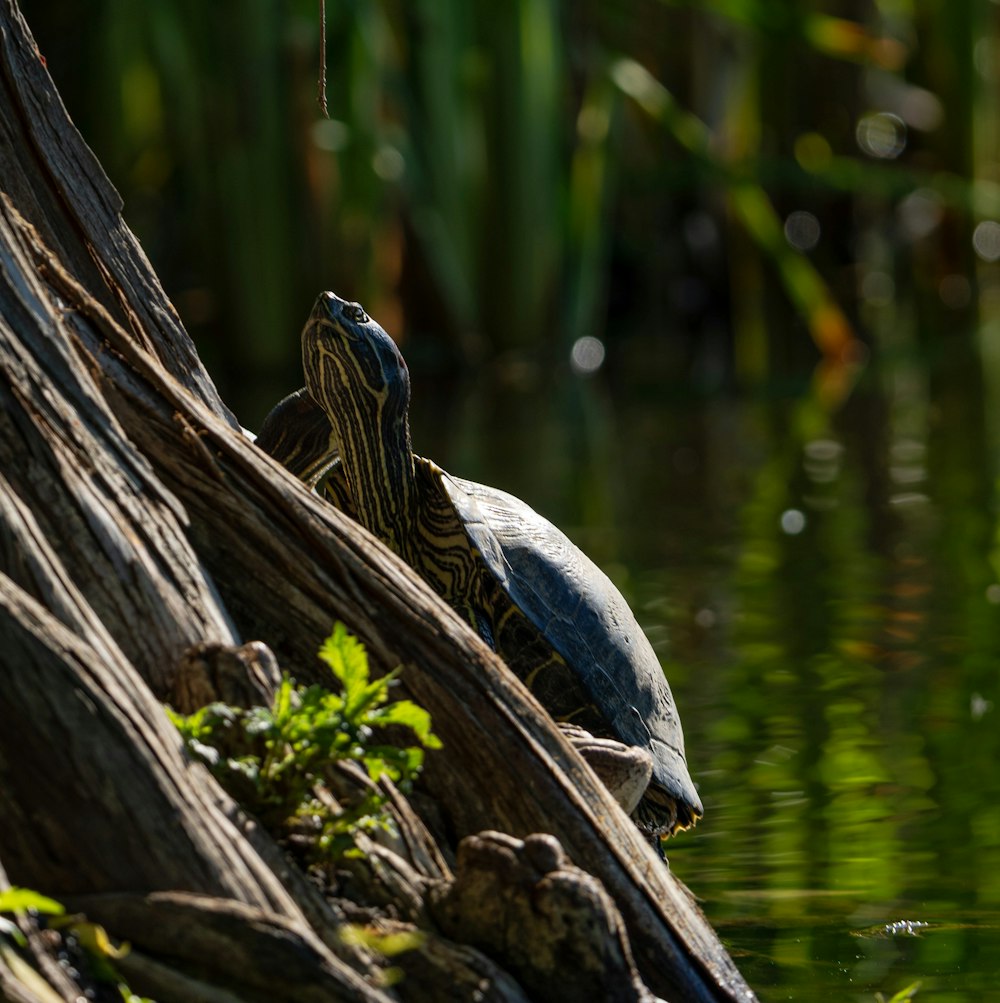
[(715, 286), (744, 183)]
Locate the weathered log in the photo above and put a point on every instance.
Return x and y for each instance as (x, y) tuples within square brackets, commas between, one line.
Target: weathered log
[(135, 521), (287, 564), (223, 949)]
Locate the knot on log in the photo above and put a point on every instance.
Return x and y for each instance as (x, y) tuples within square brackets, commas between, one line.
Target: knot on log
[(552, 925), (244, 676)]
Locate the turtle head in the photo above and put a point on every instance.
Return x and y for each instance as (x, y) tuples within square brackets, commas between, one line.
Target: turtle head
[(355, 372), (353, 368)]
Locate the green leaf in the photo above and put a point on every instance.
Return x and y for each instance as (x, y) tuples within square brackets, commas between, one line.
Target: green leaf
[(903, 996), (415, 718), (395, 763), (386, 944), (22, 899), (366, 697), (282, 701), (177, 719), (94, 939), (130, 997), (260, 721), (247, 766), (346, 657)]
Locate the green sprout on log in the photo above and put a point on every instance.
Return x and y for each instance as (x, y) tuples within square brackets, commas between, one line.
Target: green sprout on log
[(85, 947), (278, 761)]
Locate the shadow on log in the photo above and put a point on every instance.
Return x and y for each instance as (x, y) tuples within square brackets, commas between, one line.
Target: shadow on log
[(138, 521)]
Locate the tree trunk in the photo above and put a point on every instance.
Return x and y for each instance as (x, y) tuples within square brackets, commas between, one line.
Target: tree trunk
[(137, 520)]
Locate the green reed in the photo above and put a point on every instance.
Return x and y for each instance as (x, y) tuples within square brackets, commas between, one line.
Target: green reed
[(486, 181)]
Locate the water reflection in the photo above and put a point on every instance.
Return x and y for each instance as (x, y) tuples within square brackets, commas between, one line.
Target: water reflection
[(822, 593)]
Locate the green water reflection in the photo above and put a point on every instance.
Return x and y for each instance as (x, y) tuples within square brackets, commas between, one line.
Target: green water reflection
[(822, 590)]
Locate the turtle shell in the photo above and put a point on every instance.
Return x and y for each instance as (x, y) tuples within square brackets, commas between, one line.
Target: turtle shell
[(584, 617), (607, 678)]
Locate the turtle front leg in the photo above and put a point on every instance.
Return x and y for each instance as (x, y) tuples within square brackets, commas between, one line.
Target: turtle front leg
[(624, 769)]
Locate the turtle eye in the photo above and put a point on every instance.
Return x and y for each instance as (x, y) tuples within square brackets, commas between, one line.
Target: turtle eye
[(353, 311)]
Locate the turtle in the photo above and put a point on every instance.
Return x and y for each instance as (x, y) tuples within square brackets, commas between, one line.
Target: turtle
[(530, 594)]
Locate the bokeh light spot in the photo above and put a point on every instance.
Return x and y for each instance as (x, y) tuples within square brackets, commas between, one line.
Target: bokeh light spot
[(330, 134), (812, 151), (705, 618), (986, 240), (586, 355), (881, 135), (920, 213), (388, 163), (802, 230), (955, 291), (701, 232)]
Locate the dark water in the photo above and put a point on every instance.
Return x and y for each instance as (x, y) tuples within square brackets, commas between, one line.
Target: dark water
[(823, 589)]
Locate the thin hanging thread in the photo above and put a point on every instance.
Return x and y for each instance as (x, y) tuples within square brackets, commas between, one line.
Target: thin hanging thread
[(322, 59)]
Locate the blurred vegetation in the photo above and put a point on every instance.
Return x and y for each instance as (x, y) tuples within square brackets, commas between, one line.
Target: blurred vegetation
[(743, 184), (779, 222)]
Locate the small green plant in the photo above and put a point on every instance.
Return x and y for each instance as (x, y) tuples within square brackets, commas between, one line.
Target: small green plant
[(17, 900), (86, 943), (276, 760), (388, 945)]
